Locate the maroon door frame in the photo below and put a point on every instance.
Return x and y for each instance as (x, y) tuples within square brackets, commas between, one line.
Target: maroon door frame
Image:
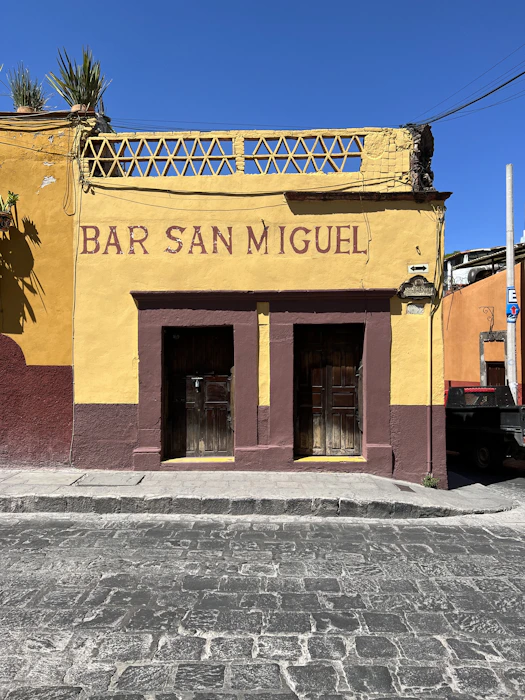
[(374, 313), (158, 310), (239, 309)]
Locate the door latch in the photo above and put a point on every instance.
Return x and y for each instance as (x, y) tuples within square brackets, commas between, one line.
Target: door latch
[(197, 382)]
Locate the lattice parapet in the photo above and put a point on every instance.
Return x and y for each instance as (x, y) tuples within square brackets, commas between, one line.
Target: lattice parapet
[(143, 156), (303, 154), (374, 153)]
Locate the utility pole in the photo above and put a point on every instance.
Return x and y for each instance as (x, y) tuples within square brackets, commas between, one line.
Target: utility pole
[(513, 308)]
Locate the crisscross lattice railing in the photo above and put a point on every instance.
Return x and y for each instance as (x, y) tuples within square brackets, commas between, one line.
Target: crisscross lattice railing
[(225, 153), (303, 154), (142, 156)]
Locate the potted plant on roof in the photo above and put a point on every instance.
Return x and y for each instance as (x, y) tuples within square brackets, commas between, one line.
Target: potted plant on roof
[(6, 218), (26, 92), (81, 85)]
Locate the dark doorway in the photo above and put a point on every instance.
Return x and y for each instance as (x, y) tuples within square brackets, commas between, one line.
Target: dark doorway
[(495, 374), (198, 392), (326, 380)]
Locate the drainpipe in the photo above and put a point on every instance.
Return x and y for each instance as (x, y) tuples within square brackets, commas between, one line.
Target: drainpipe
[(429, 405), (434, 306)]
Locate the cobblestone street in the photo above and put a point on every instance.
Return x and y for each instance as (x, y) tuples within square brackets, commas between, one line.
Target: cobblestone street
[(193, 608)]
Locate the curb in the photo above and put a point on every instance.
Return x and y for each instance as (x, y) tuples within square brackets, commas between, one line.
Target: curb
[(167, 505)]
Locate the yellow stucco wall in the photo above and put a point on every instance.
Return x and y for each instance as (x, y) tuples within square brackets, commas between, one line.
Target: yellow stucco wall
[(383, 239), (36, 279)]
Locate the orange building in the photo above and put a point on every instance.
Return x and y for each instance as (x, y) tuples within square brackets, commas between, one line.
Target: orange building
[(474, 326)]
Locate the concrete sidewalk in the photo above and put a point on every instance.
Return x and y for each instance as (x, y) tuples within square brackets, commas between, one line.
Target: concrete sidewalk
[(237, 493)]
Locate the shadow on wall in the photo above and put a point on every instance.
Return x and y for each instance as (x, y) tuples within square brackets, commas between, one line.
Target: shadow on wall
[(18, 280)]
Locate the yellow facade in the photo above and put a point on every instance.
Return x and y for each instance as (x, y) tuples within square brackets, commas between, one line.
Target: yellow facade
[(36, 285), (390, 236), (316, 213)]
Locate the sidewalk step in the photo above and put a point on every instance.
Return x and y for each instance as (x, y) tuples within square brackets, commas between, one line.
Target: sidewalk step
[(237, 493)]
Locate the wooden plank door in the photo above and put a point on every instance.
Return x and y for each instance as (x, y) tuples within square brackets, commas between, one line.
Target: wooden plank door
[(342, 433), (326, 391), (198, 368), (496, 374), (208, 420)]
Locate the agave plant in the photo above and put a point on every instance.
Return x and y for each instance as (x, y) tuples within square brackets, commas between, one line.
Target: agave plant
[(25, 90), (79, 84), (6, 218), (6, 204)]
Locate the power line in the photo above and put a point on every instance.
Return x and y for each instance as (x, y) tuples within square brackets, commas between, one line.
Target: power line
[(36, 150), (467, 104), (488, 85), (511, 98), (213, 194), (473, 81), (124, 120)]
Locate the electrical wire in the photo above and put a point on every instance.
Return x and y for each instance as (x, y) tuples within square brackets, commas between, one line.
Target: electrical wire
[(37, 150), (473, 81), (73, 311), (511, 98), (186, 121), (213, 194), (215, 211), (245, 194), (488, 85), (467, 104)]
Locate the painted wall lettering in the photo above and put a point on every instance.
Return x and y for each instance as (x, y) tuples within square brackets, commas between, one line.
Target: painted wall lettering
[(197, 241), (90, 239), (217, 236), (305, 244), (340, 240), (281, 239), (355, 235), (135, 238), (328, 239), (113, 241), (170, 233), (257, 244)]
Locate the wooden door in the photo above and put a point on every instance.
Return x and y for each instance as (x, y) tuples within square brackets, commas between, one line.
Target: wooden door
[(208, 420), (197, 390), (326, 389), (495, 374)]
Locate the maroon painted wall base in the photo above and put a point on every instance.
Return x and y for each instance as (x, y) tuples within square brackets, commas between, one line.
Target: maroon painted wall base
[(408, 427), (105, 436), (36, 411)]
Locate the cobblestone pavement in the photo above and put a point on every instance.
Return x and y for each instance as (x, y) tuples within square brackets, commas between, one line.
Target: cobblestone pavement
[(180, 608)]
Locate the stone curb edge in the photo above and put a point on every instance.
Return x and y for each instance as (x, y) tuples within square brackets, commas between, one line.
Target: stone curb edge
[(167, 505)]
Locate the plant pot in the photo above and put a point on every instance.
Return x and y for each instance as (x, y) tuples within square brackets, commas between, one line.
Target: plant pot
[(25, 110), (6, 220), (79, 108)]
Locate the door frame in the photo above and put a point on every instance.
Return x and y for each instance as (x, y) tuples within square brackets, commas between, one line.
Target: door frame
[(274, 451), (158, 310), (373, 311)]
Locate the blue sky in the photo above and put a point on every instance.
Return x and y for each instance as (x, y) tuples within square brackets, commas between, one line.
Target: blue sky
[(286, 63)]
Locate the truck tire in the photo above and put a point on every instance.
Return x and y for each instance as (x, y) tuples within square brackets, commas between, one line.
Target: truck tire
[(486, 455)]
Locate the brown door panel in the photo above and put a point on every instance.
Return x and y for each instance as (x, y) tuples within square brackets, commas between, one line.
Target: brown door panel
[(197, 371), (343, 399), (326, 359)]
